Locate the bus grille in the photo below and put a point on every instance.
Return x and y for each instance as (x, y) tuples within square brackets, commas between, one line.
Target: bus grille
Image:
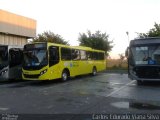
[(31, 76), (151, 72)]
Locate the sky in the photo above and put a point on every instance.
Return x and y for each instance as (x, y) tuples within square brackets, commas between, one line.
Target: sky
[(68, 18)]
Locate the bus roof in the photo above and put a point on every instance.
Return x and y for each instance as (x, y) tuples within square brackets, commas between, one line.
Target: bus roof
[(145, 41), (73, 47)]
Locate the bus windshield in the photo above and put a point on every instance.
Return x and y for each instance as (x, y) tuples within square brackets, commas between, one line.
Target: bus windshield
[(36, 57), (3, 56), (146, 55)]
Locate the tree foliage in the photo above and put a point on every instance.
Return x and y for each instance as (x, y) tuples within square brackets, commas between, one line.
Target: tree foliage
[(121, 58), (49, 36), (96, 40), (154, 32)]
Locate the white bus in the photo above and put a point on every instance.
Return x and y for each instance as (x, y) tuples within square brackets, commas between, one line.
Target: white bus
[(11, 58)]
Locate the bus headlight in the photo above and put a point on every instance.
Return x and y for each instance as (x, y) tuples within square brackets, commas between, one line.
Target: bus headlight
[(3, 72), (43, 72), (134, 72)]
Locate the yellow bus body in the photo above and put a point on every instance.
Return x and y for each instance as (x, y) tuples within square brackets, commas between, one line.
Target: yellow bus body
[(75, 67)]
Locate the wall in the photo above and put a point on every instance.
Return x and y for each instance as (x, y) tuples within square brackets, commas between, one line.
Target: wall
[(7, 39), (17, 25)]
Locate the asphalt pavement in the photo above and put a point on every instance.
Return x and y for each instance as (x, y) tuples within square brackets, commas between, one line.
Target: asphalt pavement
[(106, 93)]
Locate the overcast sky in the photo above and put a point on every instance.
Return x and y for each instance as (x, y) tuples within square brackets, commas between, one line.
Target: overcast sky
[(68, 18)]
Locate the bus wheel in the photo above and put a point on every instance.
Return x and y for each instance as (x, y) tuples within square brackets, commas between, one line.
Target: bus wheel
[(94, 71), (64, 75), (139, 82)]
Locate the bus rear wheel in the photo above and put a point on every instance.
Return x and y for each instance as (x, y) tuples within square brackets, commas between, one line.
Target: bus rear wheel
[(65, 75), (94, 71)]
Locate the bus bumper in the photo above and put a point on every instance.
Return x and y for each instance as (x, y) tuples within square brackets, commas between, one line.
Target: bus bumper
[(134, 77)]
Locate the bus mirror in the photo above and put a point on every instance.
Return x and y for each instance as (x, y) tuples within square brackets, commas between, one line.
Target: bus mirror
[(126, 52)]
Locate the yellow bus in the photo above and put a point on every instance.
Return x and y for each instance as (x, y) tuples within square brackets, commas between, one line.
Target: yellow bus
[(48, 61)]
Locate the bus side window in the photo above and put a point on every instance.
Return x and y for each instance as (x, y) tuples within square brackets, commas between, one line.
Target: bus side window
[(95, 55), (75, 54), (100, 56), (89, 55), (65, 54), (83, 55), (53, 55)]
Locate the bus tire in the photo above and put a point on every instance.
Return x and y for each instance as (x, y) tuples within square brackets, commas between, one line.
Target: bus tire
[(94, 71), (65, 75), (139, 82)]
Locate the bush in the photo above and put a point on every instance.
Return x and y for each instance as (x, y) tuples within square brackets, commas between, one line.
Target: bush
[(116, 64)]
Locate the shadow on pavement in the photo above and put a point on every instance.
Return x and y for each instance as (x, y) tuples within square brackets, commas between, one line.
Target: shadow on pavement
[(11, 81), (37, 83)]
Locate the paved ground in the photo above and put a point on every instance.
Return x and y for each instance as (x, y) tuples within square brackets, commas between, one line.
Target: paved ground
[(105, 93)]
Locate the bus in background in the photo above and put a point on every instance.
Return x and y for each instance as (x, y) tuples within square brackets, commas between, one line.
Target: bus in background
[(48, 61), (144, 59), (11, 58)]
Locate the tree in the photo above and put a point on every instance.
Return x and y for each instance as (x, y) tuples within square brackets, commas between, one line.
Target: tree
[(96, 40), (154, 32), (49, 36), (121, 57)]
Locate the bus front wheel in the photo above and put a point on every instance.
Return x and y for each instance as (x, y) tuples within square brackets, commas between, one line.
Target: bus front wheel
[(64, 75)]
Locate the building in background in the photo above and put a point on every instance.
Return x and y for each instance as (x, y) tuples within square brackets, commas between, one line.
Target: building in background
[(16, 29)]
